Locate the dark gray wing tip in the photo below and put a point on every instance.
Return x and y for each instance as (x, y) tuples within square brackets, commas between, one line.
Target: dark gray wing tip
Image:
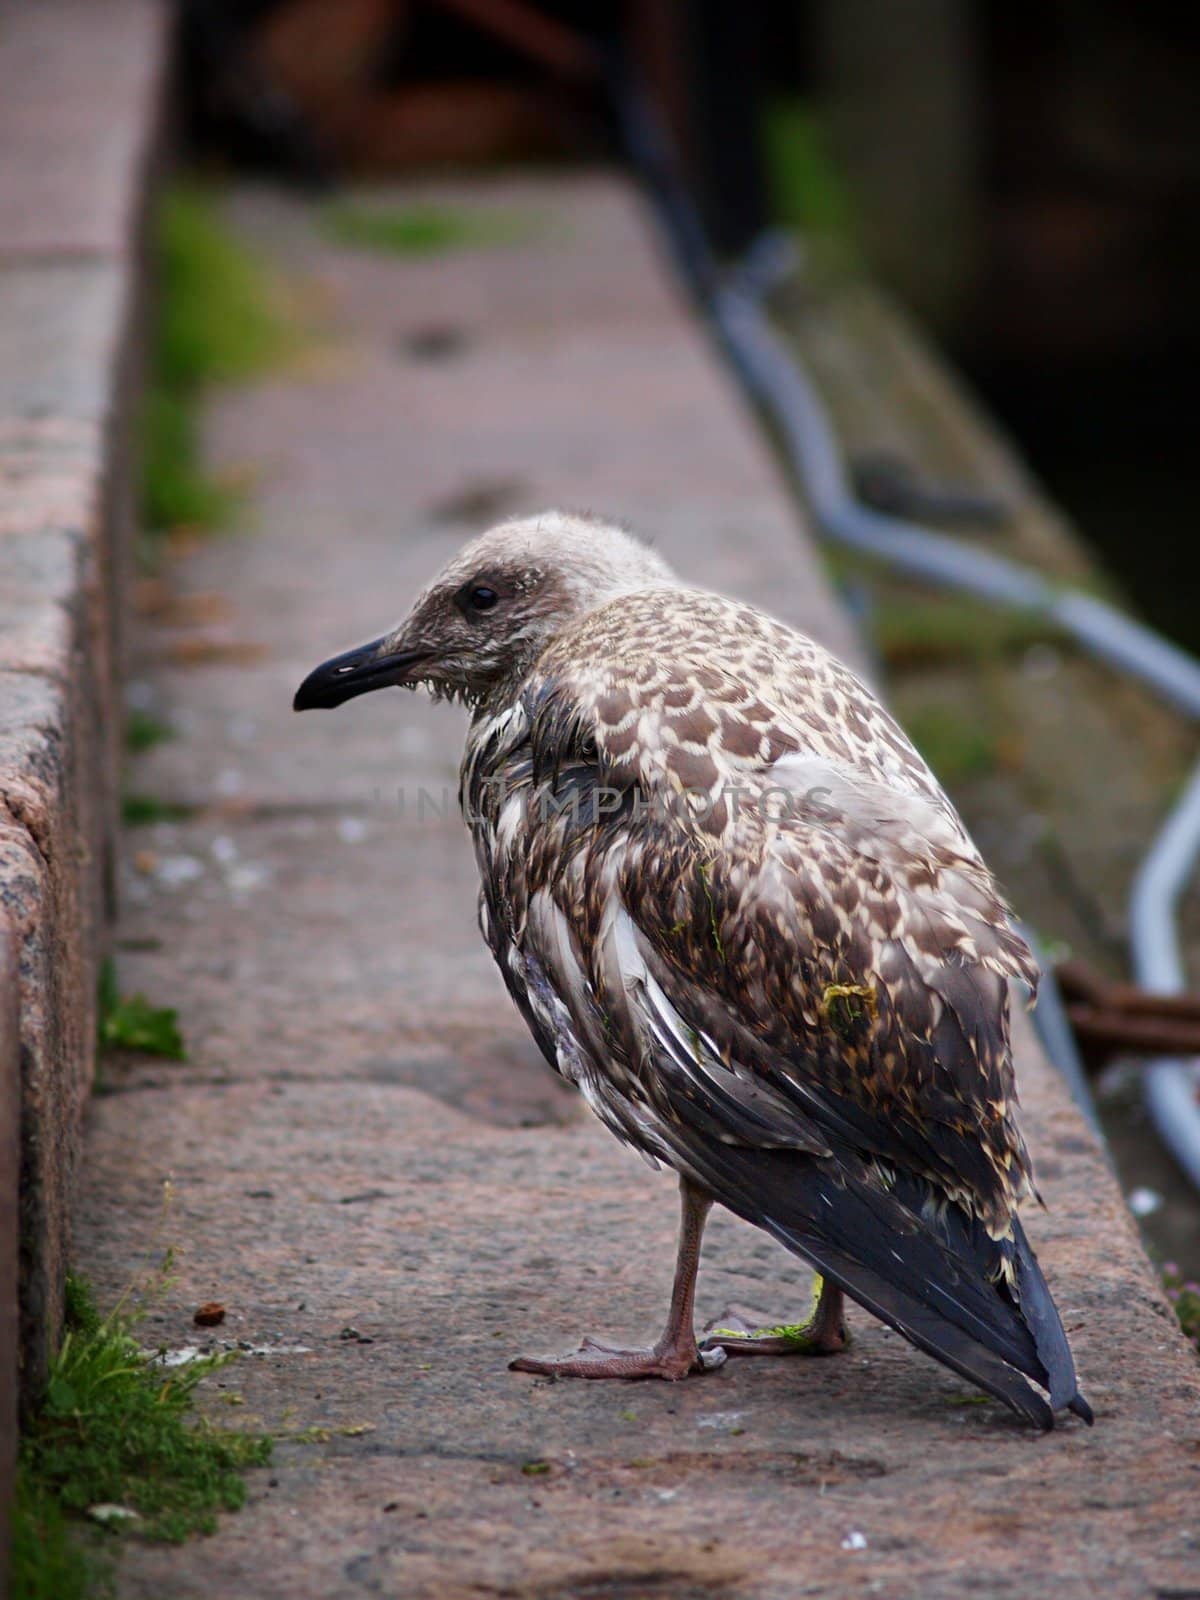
[(1081, 1409)]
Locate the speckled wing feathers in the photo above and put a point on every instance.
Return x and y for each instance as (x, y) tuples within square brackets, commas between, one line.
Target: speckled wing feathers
[(740, 914)]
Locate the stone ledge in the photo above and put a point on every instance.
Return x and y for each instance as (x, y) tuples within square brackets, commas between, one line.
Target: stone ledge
[(78, 112), (10, 1155)]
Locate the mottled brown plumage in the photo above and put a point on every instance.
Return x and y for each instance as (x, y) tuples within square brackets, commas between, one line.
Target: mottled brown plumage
[(736, 909)]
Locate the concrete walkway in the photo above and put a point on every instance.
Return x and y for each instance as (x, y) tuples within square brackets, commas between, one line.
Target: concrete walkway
[(371, 1167)]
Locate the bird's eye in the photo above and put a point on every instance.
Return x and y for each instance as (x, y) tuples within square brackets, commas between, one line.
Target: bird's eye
[(473, 599)]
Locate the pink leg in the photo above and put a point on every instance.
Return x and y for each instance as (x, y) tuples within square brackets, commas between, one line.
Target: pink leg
[(676, 1352)]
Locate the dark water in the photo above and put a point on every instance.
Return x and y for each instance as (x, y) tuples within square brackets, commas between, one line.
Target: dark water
[(1118, 448)]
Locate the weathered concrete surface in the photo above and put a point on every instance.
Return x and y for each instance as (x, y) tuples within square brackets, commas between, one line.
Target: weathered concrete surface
[(364, 1138), (77, 109)]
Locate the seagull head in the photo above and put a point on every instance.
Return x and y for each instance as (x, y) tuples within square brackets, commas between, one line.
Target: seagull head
[(484, 620)]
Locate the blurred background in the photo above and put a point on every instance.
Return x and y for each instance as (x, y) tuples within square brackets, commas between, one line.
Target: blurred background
[(953, 190), (1024, 177)]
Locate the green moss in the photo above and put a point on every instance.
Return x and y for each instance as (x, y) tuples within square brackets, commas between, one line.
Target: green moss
[(116, 1430), (218, 321), (177, 489), (132, 1023), (806, 186), (420, 230), (143, 732), (139, 809), (916, 631)]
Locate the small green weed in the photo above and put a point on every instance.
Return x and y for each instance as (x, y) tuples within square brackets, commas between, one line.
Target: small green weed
[(132, 1023), (421, 230), (115, 1430)]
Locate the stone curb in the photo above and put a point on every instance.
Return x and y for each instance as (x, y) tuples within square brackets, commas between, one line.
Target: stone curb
[(79, 91), (10, 1155)]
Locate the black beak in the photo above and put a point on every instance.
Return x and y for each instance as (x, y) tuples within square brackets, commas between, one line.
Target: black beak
[(354, 673)]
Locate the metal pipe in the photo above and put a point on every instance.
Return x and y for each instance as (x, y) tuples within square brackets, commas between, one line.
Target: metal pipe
[(1169, 1086)]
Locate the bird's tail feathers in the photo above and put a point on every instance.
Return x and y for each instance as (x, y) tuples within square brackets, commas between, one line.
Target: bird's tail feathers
[(935, 1284), (928, 1330), (1041, 1314)]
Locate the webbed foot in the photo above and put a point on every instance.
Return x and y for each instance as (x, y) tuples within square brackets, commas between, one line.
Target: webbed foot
[(669, 1359)]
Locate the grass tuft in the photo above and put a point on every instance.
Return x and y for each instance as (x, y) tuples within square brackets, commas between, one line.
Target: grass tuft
[(931, 630), (131, 1023), (218, 322), (421, 230), (115, 1430)]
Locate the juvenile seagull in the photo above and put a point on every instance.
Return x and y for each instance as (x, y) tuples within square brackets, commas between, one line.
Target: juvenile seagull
[(737, 911)]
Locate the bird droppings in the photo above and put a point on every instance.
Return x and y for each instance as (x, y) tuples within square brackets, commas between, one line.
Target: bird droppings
[(229, 783), (174, 872), (854, 1540), (725, 1421), (246, 878), (106, 1513), (223, 850), (184, 1355)]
